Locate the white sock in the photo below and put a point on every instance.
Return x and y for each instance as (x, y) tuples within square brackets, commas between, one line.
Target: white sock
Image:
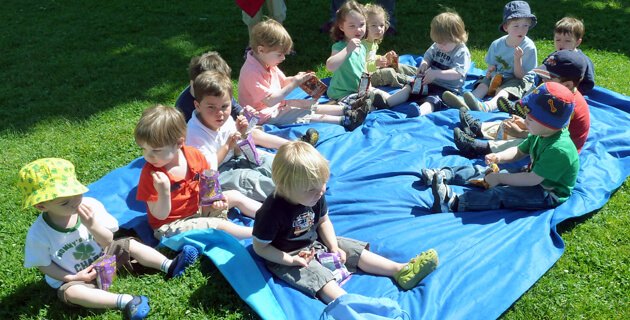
[(165, 265), (122, 300)]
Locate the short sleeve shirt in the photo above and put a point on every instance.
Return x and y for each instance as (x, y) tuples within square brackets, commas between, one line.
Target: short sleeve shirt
[(372, 48), (184, 191), (555, 159), (458, 59), (208, 141), (288, 227), (580, 122), (72, 249), (345, 80), (501, 55), (256, 82)]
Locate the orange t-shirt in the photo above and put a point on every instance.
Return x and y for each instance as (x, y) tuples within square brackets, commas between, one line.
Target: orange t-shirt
[(184, 192)]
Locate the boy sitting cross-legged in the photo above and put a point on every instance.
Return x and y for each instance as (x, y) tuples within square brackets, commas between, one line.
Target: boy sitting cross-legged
[(170, 180), (74, 231), (553, 167), (293, 227)]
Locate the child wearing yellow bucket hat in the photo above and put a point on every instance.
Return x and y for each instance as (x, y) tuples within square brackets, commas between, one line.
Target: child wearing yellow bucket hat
[(73, 232)]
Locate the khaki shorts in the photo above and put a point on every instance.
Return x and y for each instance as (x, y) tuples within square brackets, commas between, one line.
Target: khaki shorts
[(118, 248), (517, 88), (313, 278), (197, 221)]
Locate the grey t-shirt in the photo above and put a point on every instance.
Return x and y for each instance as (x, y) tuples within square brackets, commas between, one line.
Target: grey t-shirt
[(458, 59)]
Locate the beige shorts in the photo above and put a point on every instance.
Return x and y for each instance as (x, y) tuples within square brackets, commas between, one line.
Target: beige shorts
[(198, 221), (517, 88), (118, 248)]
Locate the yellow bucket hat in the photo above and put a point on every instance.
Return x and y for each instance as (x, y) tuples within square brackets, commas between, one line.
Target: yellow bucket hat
[(47, 179)]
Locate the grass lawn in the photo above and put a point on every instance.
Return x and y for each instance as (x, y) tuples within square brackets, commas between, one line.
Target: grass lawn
[(77, 74)]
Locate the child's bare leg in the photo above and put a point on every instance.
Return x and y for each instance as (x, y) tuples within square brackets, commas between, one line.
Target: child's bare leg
[(267, 140), (372, 263), (239, 232), (91, 297), (492, 103), (399, 97), (426, 108), (329, 109), (248, 206), (330, 292), (480, 91), (146, 256), (326, 118)]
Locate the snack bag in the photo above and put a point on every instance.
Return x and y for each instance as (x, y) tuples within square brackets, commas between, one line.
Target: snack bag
[(248, 148), (418, 87), (105, 267), (314, 87), (493, 168), (332, 261), (364, 84), (392, 59), (251, 119), (209, 188)]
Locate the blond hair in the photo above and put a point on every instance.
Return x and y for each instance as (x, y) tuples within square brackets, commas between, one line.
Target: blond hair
[(298, 167), (570, 26), (335, 32), (209, 61), (270, 33), (375, 10), (448, 27), (160, 126), (212, 83)]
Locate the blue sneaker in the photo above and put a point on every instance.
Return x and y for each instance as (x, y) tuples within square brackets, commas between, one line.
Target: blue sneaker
[(138, 308), (443, 197), (185, 258)]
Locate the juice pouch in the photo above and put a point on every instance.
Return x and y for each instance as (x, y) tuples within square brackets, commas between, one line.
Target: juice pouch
[(332, 262), (251, 119), (314, 87), (364, 84), (105, 267), (248, 148), (209, 188), (418, 87)]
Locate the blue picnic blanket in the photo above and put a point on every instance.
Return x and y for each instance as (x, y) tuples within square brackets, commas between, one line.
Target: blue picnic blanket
[(487, 259)]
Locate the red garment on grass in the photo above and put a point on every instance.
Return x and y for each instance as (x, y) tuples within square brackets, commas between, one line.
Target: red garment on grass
[(251, 7)]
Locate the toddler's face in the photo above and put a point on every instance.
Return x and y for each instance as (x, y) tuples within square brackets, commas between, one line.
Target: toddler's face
[(518, 28), (159, 156), (565, 41), (214, 111), (271, 57), (353, 26), (65, 206), (310, 197), (536, 128), (375, 27)]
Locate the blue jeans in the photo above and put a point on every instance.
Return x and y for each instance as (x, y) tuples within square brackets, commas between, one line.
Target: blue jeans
[(528, 198)]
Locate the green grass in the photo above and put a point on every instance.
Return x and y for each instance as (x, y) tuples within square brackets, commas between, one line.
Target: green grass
[(77, 74)]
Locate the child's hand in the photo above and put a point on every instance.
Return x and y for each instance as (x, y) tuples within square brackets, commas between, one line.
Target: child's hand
[(86, 214), (353, 44), (492, 158), (87, 275), (250, 110), (303, 258), (342, 254), (490, 71), (492, 179), (242, 124), (160, 181), (422, 69), (381, 62), (233, 139), (302, 77), (518, 53), (515, 127), (429, 76), (220, 205)]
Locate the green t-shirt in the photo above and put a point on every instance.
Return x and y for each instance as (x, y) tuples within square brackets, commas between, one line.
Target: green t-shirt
[(554, 158), (345, 80), (372, 48)]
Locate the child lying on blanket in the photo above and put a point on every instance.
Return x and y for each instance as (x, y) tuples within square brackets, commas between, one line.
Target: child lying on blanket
[(443, 67), (552, 172), (565, 67), (212, 61), (74, 231), (291, 221), (263, 87), (384, 70), (170, 180)]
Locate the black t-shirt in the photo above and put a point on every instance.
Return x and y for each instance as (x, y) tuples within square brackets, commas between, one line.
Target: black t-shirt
[(288, 226)]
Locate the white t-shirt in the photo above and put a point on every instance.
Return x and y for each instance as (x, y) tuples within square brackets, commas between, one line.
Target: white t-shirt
[(209, 141), (72, 249)]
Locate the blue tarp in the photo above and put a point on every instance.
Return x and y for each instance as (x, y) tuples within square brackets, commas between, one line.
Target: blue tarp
[(487, 259)]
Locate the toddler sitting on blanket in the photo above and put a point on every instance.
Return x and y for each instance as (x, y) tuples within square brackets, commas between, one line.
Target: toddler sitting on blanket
[(293, 226)]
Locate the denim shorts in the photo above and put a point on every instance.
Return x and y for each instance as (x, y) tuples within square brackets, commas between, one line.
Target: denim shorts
[(314, 277)]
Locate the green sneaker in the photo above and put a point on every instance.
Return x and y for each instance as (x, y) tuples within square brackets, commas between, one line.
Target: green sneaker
[(418, 267), (454, 101), (473, 103)]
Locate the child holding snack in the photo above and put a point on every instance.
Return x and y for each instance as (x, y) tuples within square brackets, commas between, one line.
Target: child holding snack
[(552, 172), (384, 70), (170, 180), (212, 61), (348, 59), (444, 65), (293, 227), (509, 59), (75, 231), (263, 87)]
